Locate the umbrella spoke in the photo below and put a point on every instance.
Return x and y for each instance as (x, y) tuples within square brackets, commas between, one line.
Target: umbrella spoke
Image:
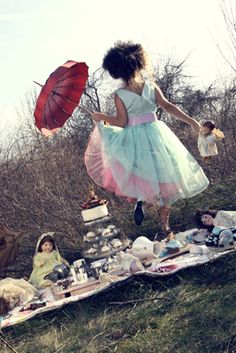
[(58, 114), (71, 96), (72, 77), (65, 98), (49, 112)]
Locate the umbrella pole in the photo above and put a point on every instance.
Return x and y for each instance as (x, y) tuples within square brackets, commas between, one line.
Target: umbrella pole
[(38, 83), (85, 110)]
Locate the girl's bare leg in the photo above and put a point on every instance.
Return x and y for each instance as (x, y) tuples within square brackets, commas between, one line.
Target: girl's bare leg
[(164, 213)]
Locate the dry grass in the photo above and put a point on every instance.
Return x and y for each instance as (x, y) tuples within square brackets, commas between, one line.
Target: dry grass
[(195, 312), (42, 184)]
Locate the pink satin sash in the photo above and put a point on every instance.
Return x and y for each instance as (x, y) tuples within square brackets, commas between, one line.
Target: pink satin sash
[(142, 119)]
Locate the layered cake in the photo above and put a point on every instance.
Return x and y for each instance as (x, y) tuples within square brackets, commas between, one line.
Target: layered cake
[(94, 209), (105, 242)]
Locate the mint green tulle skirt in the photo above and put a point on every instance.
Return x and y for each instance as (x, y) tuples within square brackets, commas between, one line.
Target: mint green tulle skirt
[(146, 162)]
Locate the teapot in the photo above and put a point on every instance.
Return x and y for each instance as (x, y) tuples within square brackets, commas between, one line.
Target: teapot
[(143, 248)]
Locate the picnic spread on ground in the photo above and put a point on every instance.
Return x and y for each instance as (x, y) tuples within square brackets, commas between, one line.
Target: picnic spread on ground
[(109, 259)]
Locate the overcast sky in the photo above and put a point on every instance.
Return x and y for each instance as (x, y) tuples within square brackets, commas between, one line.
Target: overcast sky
[(39, 35)]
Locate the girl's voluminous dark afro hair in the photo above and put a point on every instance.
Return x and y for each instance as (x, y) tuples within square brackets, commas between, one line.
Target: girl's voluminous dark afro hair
[(124, 60)]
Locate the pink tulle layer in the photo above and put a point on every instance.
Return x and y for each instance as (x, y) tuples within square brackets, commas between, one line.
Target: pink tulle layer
[(109, 173)]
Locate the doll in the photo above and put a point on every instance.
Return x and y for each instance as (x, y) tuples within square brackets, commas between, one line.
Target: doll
[(46, 257), (221, 226), (93, 201), (207, 140), (210, 218), (15, 292)]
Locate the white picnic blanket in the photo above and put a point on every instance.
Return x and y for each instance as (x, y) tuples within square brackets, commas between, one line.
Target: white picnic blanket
[(197, 255)]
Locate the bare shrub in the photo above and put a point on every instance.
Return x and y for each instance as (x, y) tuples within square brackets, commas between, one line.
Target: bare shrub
[(43, 181)]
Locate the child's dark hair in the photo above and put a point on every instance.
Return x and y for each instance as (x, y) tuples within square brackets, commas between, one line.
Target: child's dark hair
[(209, 123), (48, 238), (124, 60), (198, 218)]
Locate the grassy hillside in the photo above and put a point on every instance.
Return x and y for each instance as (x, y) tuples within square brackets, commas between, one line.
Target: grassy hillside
[(192, 311), (42, 184)]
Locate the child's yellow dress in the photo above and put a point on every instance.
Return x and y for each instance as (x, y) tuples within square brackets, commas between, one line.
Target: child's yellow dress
[(50, 260)]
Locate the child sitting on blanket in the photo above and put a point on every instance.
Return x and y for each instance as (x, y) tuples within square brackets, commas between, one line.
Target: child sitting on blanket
[(221, 226), (46, 257)]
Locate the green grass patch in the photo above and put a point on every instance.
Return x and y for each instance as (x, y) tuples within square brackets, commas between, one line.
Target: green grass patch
[(192, 311)]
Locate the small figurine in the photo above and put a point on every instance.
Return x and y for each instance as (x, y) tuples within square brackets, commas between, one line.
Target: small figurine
[(45, 259), (93, 201), (207, 140)]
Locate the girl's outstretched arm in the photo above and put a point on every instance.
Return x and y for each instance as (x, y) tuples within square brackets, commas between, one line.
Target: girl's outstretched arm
[(121, 115), (175, 111)]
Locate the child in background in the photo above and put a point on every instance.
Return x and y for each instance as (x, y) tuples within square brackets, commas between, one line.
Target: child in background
[(45, 259), (135, 155), (207, 140)]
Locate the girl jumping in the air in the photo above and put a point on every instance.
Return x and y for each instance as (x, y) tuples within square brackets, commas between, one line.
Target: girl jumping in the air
[(134, 154)]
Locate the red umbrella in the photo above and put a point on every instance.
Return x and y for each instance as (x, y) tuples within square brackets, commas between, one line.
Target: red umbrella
[(59, 96)]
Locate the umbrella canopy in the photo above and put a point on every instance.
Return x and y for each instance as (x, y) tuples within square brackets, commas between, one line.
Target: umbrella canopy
[(59, 96)]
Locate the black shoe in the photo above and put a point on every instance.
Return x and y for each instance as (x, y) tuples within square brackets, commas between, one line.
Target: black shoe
[(138, 213)]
